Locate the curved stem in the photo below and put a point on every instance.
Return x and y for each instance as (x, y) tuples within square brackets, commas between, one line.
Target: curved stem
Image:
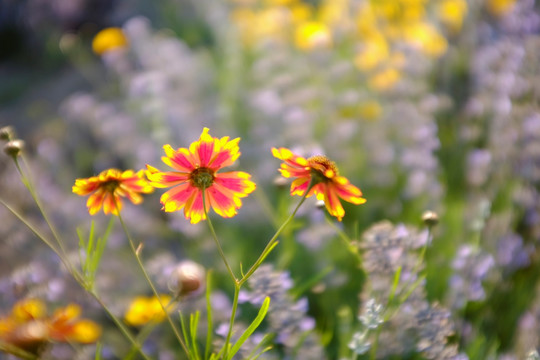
[(28, 184), (273, 240), (154, 290)]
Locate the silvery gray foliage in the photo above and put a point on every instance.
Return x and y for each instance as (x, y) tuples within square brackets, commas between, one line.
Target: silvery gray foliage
[(387, 248), (286, 318), (471, 266), (415, 325)]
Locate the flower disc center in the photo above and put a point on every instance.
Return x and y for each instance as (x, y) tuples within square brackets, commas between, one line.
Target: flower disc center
[(111, 185), (320, 164), (202, 178)]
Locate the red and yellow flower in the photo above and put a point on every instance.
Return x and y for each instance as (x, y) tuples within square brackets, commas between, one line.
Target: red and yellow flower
[(196, 173), (108, 188), (322, 175), (29, 328)]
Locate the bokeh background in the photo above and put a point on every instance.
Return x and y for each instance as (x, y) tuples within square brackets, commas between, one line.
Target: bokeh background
[(423, 104)]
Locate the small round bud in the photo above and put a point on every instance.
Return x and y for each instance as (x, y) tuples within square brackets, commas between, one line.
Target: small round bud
[(7, 133), (320, 204), (430, 218), (280, 182), (14, 147), (188, 278)]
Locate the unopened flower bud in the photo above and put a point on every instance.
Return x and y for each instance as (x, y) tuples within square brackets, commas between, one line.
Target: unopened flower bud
[(14, 147), (188, 278), (430, 218), (7, 133), (280, 182)]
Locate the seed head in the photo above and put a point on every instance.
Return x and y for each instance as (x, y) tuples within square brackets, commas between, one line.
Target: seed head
[(430, 218), (187, 278), (14, 147), (7, 133)]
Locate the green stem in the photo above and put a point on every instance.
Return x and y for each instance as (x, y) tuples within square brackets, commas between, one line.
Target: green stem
[(273, 240), (28, 184), (233, 315), (154, 290), (216, 240), (65, 261), (123, 329)]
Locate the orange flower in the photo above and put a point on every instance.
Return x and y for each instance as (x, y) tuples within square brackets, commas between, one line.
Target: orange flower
[(197, 172), (29, 328), (323, 173), (109, 187)]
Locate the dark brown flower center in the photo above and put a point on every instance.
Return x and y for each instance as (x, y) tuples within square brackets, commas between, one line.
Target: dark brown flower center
[(319, 165), (110, 185), (202, 178)]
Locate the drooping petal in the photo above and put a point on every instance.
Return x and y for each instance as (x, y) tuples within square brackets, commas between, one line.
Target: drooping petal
[(333, 205), (347, 191), (95, 201), (194, 210), (111, 204), (299, 186)]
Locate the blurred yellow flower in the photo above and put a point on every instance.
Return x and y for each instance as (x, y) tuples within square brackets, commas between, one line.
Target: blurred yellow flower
[(452, 13), (280, 2), (426, 38), (109, 39), (312, 35), (301, 12), (370, 110), (143, 310), (384, 79), (28, 327), (500, 7), (374, 51)]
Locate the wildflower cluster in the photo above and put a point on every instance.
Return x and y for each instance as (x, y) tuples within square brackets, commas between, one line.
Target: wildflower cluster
[(28, 327), (427, 104)]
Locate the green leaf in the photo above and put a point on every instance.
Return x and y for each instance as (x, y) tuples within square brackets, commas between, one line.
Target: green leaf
[(210, 331), (252, 327)]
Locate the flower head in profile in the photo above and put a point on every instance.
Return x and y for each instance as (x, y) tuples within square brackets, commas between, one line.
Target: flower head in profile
[(109, 39), (108, 188), (322, 175), (196, 173), (28, 326)]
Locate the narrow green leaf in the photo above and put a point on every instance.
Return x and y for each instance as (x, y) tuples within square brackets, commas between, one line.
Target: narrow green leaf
[(98, 351), (397, 276), (210, 331), (251, 328), (193, 324)]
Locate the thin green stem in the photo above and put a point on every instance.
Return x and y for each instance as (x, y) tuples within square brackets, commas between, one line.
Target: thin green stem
[(273, 240), (154, 290), (121, 327), (233, 315), (216, 240), (28, 184), (65, 261)]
